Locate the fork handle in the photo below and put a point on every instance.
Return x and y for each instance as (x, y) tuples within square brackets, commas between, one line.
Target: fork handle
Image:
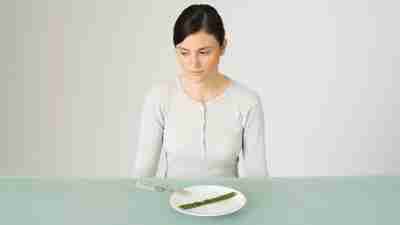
[(152, 187), (146, 186)]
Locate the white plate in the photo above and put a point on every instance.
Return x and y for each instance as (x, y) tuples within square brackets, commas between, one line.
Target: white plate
[(202, 192)]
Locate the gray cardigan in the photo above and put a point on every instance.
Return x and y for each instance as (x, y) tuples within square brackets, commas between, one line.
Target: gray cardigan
[(223, 137)]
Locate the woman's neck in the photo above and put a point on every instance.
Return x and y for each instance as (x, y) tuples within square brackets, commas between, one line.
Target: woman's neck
[(207, 89)]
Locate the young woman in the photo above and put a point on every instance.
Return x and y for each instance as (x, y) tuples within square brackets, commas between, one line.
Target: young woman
[(206, 123)]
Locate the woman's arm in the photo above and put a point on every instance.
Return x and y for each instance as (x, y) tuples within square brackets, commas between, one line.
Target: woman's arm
[(150, 136), (252, 159)]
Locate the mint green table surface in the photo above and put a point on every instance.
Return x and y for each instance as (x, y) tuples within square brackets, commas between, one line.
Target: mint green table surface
[(308, 201)]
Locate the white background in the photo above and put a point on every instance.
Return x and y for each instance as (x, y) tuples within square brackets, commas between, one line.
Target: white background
[(73, 75)]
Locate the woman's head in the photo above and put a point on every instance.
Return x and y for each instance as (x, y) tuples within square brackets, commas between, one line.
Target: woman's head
[(197, 18), (199, 38)]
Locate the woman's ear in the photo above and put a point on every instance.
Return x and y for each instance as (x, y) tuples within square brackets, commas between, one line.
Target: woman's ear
[(223, 48)]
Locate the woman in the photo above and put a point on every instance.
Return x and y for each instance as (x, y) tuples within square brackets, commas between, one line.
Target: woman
[(205, 123)]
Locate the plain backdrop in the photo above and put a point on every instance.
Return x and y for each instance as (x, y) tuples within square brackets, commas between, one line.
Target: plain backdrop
[(73, 75)]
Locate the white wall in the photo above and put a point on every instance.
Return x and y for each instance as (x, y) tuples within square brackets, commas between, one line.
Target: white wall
[(73, 76)]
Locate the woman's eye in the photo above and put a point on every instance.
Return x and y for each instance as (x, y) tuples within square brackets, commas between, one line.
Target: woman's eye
[(184, 53), (205, 53)]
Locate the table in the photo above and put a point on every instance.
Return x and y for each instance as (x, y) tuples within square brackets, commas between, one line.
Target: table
[(360, 200)]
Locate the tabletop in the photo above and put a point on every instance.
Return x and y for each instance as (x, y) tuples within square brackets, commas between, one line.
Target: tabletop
[(116, 201)]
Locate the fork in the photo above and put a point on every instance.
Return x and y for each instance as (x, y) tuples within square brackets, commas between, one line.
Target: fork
[(160, 187)]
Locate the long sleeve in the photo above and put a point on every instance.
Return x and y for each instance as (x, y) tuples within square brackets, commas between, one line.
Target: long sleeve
[(252, 159), (150, 136)]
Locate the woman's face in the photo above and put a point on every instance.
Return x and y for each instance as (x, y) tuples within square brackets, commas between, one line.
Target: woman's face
[(198, 56)]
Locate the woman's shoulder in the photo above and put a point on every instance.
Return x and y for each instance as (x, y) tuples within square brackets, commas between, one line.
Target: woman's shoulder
[(161, 89), (244, 95)]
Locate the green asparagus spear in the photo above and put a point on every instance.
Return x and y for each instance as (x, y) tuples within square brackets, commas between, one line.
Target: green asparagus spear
[(207, 201)]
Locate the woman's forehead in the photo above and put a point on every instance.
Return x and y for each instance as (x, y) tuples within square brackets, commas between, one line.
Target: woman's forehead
[(198, 41)]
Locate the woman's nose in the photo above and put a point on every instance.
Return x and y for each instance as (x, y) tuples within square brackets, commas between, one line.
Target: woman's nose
[(195, 61)]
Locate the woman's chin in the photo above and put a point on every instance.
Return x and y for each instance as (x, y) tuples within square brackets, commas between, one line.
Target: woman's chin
[(194, 77)]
